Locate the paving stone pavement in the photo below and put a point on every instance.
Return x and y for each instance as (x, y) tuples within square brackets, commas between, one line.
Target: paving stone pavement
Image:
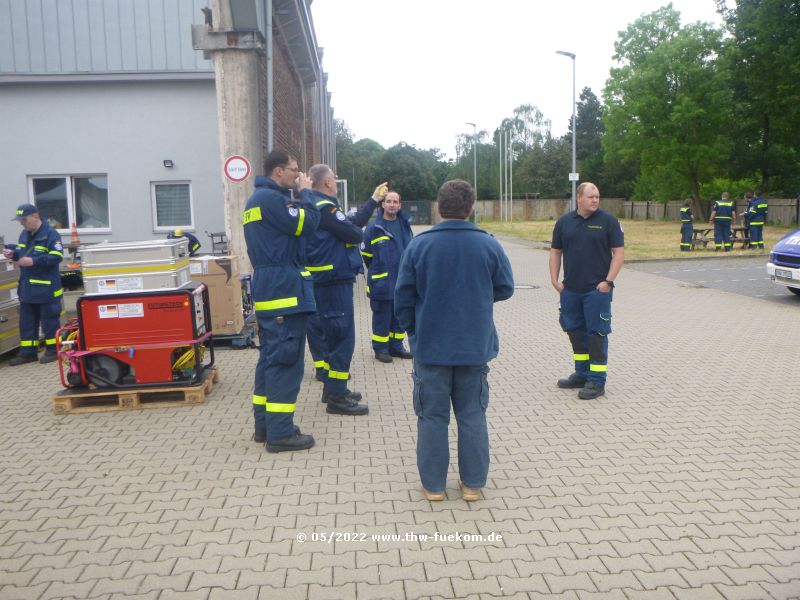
[(682, 483)]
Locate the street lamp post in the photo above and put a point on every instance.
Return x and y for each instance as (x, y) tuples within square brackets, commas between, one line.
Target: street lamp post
[(474, 165), (574, 175)]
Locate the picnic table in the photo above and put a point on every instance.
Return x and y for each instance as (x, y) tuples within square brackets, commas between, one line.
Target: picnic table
[(700, 235), (739, 236)]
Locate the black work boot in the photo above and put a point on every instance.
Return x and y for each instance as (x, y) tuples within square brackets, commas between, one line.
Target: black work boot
[(402, 353), (340, 404), (21, 359), (591, 391), (296, 441), (384, 357), (49, 356), (353, 395), (574, 381)]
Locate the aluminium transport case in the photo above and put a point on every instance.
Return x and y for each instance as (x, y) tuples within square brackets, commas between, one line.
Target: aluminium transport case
[(121, 267), (9, 279), (9, 325)]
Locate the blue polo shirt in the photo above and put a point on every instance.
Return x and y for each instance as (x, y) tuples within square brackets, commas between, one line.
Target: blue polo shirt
[(586, 246)]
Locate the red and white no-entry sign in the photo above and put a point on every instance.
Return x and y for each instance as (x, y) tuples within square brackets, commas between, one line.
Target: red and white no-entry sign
[(237, 168)]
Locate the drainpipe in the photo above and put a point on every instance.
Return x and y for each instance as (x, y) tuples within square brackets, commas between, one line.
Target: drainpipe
[(270, 76)]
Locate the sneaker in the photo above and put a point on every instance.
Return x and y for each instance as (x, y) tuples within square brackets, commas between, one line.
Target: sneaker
[(344, 405), (48, 357), (384, 357), (296, 441), (21, 359), (433, 496), (574, 381), (470, 494), (401, 353), (591, 391)]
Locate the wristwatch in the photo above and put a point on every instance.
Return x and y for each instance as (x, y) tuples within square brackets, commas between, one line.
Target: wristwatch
[(610, 283)]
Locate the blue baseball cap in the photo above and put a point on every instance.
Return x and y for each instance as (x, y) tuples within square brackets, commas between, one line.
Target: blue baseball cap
[(23, 210)]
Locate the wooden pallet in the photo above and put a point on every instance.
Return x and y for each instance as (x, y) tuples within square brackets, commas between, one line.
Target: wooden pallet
[(105, 400)]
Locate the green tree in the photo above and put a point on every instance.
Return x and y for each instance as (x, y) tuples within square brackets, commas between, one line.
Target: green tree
[(763, 55), (408, 171), (668, 106), (589, 129)]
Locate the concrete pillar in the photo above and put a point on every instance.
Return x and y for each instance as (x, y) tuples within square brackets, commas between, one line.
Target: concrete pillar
[(236, 56)]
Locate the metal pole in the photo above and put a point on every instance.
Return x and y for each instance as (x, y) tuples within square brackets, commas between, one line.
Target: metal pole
[(573, 176), (474, 168), (511, 171), (500, 170)]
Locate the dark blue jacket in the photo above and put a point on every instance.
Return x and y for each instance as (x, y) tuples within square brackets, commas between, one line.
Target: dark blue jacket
[(686, 214), (275, 231), (758, 211), (40, 283), (382, 255), (450, 277), (724, 210), (332, 252)]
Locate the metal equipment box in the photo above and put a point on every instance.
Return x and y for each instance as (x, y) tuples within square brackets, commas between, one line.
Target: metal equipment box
[(9, 325), (9, 278), (124, 267)]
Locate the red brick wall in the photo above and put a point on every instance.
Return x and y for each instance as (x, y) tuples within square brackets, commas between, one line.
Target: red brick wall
[(288, 103)]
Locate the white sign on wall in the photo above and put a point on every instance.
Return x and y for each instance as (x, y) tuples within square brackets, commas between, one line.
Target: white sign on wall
[(237, 168)]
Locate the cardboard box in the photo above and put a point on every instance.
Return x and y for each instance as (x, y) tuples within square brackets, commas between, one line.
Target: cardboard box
[(221, 275)]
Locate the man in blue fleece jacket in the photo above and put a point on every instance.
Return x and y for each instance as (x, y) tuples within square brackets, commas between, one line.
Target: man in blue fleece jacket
[(450, 277)]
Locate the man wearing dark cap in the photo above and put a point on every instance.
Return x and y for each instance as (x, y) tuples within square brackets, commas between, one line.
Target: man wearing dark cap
[(38, 255)]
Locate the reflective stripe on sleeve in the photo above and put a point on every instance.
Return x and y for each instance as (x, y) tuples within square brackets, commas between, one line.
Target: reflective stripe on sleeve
[(378, 239), (300, 221), (57, 293), (379, 276)]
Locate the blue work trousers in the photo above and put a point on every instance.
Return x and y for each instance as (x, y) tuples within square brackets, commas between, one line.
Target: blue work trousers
[(722, 235), (586, 317), (279, 373), (31, 316), (387, 335), (335, 313), (686, 237), (316, 345), (756, 236), (436, 387)]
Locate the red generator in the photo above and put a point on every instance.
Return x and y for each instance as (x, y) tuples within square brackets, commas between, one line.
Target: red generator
[(138, 339)]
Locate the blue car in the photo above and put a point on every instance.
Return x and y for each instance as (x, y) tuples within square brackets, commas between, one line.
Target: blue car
[(784, 262)]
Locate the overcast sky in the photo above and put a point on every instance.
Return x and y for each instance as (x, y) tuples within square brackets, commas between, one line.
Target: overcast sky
[(417, 70)]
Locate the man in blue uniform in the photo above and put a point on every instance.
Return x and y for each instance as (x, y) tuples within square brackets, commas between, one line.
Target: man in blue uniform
[(275, 230), (758, 218), (333, 260), (383, 245), (194, 243), (450, 277), (686, 226), (591, 243), (38, 255), (723, 216)]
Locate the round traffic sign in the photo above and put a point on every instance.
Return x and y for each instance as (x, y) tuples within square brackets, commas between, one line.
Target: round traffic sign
[(237, 168)]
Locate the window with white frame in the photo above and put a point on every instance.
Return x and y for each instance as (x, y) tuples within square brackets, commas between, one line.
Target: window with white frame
[(172, 205), (66, 199)]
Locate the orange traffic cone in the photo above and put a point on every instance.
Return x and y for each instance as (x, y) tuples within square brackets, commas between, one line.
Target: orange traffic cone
[(74, 236)]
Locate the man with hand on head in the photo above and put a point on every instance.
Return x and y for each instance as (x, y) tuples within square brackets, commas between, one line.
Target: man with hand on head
[(333, 261), (384, 242)]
